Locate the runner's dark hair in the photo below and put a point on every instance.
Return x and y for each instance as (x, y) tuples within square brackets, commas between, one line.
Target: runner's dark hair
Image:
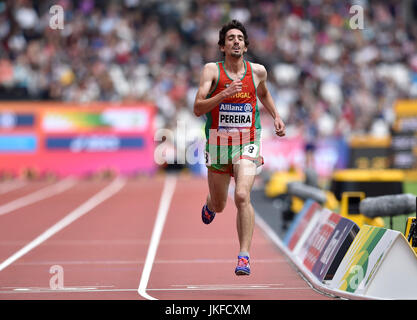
[(234, 24)]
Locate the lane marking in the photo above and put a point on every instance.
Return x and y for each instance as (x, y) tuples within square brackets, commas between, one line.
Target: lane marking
[(80, 242), (124, 242), (214, 288), (135, 262), (87, 206), (228, 285), (36, 196), (165, 201), (91, 289), (95, 289), (10, 186)]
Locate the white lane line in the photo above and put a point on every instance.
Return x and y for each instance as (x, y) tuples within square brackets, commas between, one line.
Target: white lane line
[(91, 289), (87, 206), (221, 288), (135, 262), (83, 243), (232, 285), (39, 195), (95, 289), (228, 286), (164, 203), (10, 186)]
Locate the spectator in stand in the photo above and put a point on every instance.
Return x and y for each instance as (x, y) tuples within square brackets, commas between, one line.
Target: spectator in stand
[(344, 81)]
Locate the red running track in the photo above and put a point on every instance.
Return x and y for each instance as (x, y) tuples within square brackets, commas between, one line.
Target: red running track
[(111, 238)]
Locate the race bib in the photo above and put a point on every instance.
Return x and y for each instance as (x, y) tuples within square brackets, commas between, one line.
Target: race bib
[(235, 115), (250, 150)]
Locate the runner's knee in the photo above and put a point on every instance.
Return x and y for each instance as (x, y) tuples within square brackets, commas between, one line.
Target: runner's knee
[(242, 197)]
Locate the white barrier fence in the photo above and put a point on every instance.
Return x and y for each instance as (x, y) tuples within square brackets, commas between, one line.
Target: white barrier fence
[(338, 258)]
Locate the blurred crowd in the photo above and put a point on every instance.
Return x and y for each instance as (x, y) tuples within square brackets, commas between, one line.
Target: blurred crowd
[(325, 77)]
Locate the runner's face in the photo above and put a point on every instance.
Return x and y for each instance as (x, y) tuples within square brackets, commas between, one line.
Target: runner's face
[(234, 44)]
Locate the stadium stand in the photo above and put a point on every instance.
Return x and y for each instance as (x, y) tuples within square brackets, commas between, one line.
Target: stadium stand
[(326, 78)]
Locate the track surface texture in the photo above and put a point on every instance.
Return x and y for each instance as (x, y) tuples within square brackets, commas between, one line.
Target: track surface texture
[(131, 239)]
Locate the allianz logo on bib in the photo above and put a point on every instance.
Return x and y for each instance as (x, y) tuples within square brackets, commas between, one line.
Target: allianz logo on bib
[(236, 107), (235, 115), (232, 115), (233, 120)]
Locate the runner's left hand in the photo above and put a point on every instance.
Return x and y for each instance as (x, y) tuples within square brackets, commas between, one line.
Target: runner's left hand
[(279, 127)]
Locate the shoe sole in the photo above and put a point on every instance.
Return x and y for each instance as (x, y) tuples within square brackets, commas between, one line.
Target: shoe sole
[(242, 273), (207, 222)]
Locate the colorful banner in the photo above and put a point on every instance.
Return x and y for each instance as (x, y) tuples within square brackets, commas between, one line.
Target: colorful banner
[(120, 119), (330, 154), (362, 259), (404, 135), (335, 249), (18, 143), (285, 153), (299, 217), (313, 228), (12, 120), (302, 223), (67, 139), (282, 154), (319, 238), (94, 143)]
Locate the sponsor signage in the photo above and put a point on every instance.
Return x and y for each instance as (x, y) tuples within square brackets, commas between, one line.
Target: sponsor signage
[(379, 263), (95, 143), (404, 141), (329, 154), (123, 119), (313, 228), (335, 249), (300, 216), (18, 143), (235, 115), (12, 120), (302, 224), (403, 146), (319, 239), (68, 139), (291, 153), (362, 259)]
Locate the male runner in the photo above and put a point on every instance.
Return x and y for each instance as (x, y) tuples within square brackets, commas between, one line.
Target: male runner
[(227, 96)]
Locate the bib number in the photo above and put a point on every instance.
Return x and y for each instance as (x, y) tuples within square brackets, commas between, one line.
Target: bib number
[(207, 158), (250, 150)]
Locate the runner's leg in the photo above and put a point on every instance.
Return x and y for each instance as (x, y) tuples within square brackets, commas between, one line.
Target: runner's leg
[(218, 190), (244, 173)]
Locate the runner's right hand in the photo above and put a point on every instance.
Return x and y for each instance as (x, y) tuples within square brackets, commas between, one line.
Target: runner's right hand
[(234, 87)]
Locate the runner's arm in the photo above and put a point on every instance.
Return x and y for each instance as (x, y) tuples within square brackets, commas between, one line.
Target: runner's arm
[(266, 99), (202, 105)]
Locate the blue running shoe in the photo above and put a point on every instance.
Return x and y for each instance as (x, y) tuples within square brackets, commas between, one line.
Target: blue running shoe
[(207, 215), (243, 266)]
